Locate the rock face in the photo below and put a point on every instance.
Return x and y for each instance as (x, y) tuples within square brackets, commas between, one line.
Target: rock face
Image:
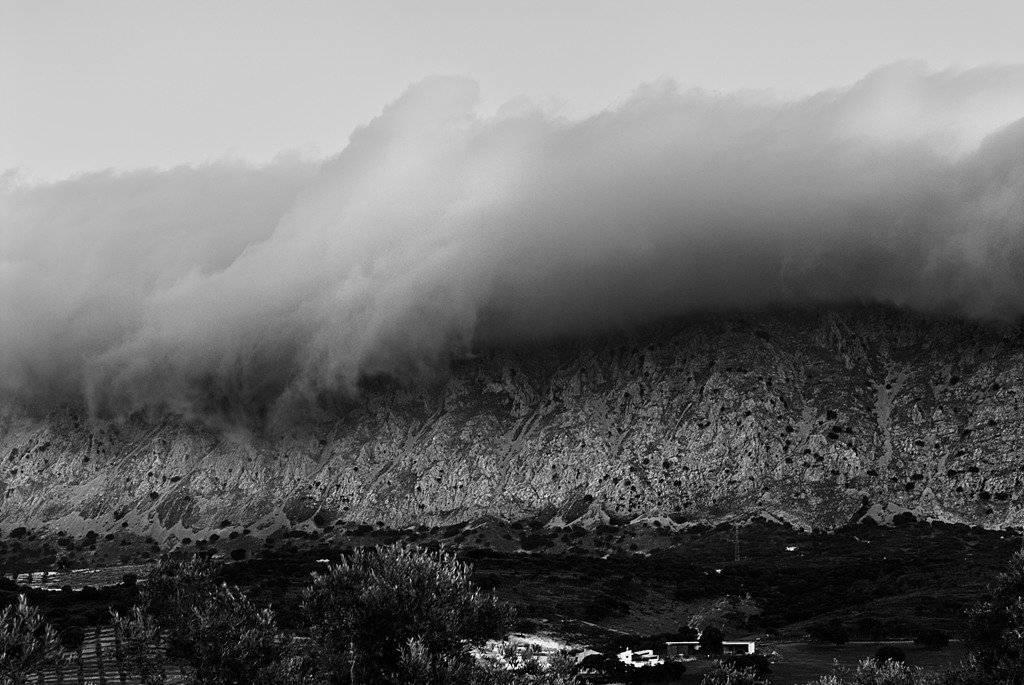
[(811, 417)]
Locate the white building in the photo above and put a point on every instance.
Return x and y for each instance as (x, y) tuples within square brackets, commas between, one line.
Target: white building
[(690, 648), (639, 658)]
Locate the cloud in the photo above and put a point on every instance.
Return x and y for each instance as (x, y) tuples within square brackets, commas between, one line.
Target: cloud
[(224, 288)]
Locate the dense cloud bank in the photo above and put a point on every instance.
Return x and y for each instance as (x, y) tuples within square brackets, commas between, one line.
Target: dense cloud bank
[(438, 230)]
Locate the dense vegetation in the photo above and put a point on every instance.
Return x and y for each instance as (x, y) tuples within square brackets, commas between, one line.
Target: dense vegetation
[(391, 615), (913, 581), (400, 614), (882, 582)]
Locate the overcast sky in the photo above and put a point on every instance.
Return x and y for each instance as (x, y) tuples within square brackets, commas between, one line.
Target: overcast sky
[(216, 207), (125, 84)]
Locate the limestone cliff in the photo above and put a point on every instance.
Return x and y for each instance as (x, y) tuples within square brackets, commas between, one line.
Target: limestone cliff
[(809, 416)]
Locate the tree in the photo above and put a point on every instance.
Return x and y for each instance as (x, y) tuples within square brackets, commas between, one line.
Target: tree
[(223, 638), (234, 642), (932, 638), (363, 613), (139, 637), (28, 644), (995, 626), (833, 632), (174, 591), (711, 640), (870, 627), (688, 633), (391, 615)]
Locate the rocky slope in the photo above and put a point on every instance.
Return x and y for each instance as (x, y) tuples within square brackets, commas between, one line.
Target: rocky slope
[(811, 417)]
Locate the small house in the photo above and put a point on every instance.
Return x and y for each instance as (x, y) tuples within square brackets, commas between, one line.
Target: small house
[(639, 658), (689, 649)]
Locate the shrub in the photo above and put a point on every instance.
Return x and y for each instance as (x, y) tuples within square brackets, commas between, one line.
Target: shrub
[(670, 672), (890, 653), (711, 640), (364, 611), (514, 665), (742, 662), (833, 632), (28, 644), (174, 592), (870, 627), (534, 541), (727, 674), (223, 638), (869, 672), (994, 628), (932, 638), (687, 633), (138, 636), (71, 636), (234, 643)]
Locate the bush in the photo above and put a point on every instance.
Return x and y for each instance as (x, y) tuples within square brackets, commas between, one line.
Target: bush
[(833, 632), (869, 672), (687, 633), (711, 640), (28, 644), (391, 615), (222, 636), (514, 665), (870, 627), (742, 662), (138, 636), (890, 653), (363, 613), (534, 541), (71, 636), (726, 674), (932, 638), (234, 642), (174, 592), (670, 671), (994, 628)]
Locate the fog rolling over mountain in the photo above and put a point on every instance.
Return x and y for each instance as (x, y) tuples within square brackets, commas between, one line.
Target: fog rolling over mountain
[(225, 292), (815, 418), (693, 304)]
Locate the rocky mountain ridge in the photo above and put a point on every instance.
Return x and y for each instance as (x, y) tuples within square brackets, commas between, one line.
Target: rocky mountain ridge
[(812, 417)]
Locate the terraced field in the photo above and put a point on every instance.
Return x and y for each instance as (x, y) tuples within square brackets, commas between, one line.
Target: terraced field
[(98, 661), (78, 578)]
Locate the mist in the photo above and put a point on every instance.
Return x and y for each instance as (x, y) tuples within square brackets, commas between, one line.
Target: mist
[(439, 230)]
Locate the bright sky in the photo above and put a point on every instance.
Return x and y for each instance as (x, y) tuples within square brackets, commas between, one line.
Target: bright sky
[(128, 84)]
